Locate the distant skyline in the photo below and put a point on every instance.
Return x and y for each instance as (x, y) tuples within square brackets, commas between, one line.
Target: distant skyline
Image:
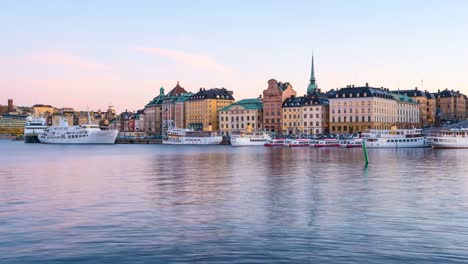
[(97, 53)]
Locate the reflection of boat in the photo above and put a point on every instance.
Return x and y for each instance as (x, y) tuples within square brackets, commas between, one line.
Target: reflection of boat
[(301, 142), (82, 134), (351, 143), (277, 142), (33, 128), (250, 139), (394, 138), (454, 138), (324, 143), (182, 136)]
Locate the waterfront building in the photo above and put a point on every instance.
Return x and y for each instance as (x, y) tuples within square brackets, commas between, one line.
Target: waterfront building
[(408, 111), (452, 105), (153, 114), (202, 108), (179, 110), (355, 109), (273, 98), (242, 116), (12, 124), (43, 110), (169, 107), (427, 105), (306, 115), (140, 121)]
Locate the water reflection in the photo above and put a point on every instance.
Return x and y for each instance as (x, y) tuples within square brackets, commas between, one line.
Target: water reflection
[(148, 203)]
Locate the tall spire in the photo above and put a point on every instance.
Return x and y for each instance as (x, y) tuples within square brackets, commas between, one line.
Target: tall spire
[(312, 85)]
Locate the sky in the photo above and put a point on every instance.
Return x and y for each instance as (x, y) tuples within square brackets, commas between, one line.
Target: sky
[(92, 54)]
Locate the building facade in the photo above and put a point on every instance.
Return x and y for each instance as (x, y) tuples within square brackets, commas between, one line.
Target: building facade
[(169, 113), (427, 105), (201, 112), (153, 115), (306, 115), (452, 105), (273, 98), (355, 109), (242, 116)]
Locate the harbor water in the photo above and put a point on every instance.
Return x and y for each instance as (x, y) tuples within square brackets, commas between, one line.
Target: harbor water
[(219, 204)]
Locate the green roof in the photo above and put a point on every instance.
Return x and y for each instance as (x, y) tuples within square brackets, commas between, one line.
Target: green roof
[(402, 97), (249, 104)]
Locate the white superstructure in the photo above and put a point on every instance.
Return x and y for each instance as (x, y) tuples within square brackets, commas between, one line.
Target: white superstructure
[(250, 139), (33, 128), (82, 134), (394, 138), (453, 138), (182, 136)]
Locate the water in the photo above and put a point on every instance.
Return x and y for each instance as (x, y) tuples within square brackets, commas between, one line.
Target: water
[(219, 204)]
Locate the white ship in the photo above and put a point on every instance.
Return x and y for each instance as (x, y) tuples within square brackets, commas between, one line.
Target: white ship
[(395, 138), (182, 136), (454, 138), (82, 134), (33, 128), (250, 139)]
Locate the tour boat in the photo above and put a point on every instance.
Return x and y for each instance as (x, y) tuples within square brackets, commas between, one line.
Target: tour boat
[(250, 139), (324, 143), (455, 138), (351, 143), (301, 142), (277, 142), (33, 128), (183, 136), (394, 138), (82, 134)]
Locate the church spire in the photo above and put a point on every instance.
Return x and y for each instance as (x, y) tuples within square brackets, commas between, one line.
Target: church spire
[(312, 85)]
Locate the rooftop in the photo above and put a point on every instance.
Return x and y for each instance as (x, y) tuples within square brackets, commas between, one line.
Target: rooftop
[(249, 104)]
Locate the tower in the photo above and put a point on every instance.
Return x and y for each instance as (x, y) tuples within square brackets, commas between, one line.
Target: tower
[(10, 105), (312, 85)]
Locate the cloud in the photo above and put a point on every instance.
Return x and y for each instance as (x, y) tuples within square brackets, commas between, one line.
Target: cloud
[(196, 60), (55, 59)]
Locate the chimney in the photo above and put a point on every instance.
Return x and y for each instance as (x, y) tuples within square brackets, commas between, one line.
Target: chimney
[(367, 85), (415, 88), (438, 90)]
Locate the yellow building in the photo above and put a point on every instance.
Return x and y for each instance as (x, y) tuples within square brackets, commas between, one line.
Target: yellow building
[(242, 116), (12, 124), (452, 105), (427, 105), (202, 108), (43, 110)]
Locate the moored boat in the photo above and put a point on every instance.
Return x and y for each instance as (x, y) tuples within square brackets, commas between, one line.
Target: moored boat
[(250, 139), (301, 142), (324, 143), (82, 134), (33, 128), (394, 138), (455, 138), (183, 136), (351, 143), (277, 142)]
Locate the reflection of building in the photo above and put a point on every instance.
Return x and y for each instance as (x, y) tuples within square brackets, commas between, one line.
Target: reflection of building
[(273, 98), (153, 114), (452, 105), (427, 104), (202, 108), (306, 114), (242, 116)]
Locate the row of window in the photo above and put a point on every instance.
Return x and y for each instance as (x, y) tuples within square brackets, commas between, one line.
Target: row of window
[(293, 124)]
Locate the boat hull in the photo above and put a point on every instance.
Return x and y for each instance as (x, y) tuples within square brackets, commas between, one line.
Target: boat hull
[(247, 142), (31, 139), (195, 141), (101, 137)]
